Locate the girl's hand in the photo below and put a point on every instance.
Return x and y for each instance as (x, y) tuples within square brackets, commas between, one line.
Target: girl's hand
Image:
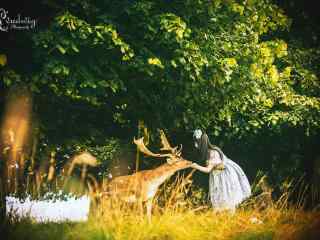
[(202, 169), (194, 165)]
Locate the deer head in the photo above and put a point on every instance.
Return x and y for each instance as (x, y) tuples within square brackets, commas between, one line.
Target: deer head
[(173, 156)]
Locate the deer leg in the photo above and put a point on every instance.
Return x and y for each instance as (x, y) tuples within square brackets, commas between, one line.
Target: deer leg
[(149, 209), (140, 207)]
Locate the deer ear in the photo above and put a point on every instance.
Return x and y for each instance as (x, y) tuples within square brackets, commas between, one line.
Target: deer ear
[(170, 161)]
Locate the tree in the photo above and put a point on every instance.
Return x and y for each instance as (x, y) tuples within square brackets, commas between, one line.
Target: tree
[(210, 64), (225, 66)]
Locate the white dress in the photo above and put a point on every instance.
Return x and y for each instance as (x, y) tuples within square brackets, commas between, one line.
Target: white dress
[(228, 187)]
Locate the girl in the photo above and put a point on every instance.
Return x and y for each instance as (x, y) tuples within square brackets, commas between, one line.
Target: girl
[(228, 185)]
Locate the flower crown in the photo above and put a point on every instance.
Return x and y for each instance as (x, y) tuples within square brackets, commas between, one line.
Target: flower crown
[(197, 134)]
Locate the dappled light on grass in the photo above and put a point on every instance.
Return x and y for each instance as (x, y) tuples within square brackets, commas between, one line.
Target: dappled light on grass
[(187, 224), (175, 216)]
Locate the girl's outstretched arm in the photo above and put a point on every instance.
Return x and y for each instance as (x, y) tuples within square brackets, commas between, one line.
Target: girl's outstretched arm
[(206, 169), (214, 162)]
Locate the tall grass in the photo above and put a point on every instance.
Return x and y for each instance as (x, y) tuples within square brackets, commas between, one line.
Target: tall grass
[(177, 215), (170, 224), (181, 211)]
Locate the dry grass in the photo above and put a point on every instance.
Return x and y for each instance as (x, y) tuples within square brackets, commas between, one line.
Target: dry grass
[(176, 216), (170, 224), (181, 212)]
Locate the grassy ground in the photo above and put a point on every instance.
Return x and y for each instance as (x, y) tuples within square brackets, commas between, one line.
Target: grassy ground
[(171, 224), (183, 218), (181, 213)]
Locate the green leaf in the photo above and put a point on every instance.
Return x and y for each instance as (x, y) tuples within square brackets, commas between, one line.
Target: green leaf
[(74, 47), (61, 49)]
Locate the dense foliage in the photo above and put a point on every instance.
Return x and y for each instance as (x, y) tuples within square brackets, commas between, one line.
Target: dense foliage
[(229, 67)]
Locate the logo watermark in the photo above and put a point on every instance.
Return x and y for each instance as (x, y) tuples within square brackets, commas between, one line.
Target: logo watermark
[(18, 23)]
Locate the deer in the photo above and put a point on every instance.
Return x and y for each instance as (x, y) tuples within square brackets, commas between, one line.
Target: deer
[(142, 186)]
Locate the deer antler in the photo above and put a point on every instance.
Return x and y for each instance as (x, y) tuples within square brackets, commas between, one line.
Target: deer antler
[(167, 147), (164, 142), (171, 157), (142, 148)]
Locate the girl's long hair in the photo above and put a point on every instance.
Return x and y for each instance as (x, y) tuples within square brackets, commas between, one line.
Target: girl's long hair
[(204, 146)]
